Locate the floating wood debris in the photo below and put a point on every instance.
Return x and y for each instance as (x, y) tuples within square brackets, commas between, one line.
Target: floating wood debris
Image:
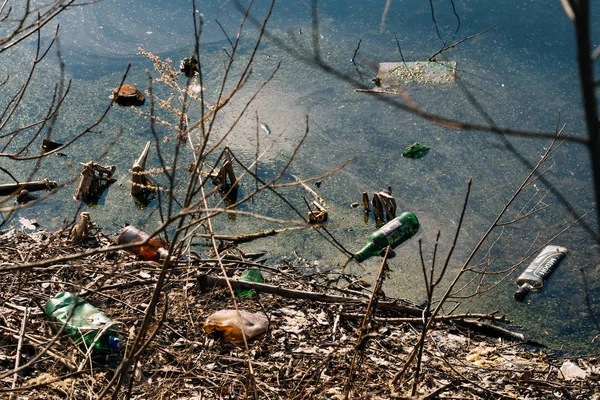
[(429, 72), (226, 180), (95, 179), (384, 205), (81, 230), (142, 187), (11, 188), (319, 216)]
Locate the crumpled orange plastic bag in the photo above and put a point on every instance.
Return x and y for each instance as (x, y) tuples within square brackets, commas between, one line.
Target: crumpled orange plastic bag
[(231, 324)]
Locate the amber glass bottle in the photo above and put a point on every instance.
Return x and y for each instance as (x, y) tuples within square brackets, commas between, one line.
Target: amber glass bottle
[(156, 249)]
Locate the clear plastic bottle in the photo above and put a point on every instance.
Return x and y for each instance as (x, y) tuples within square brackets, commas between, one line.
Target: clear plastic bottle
[(540, 269), (156, 249), (85, 322), (391, 234)]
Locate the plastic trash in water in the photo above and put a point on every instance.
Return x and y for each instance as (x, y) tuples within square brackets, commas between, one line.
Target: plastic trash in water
[(415, 150)]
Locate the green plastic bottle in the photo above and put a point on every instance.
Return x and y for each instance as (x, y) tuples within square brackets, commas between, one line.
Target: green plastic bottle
[(391, 234), (86, 321), (249, 275)]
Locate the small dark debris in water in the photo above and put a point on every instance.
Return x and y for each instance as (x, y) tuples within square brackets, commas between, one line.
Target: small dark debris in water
[(61, 154), (415, 150), (49, 145), (355, 204), (25, 197), (189, 66), (318, 183), (255, 256)]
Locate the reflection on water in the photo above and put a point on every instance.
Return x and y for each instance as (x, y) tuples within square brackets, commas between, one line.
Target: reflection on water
[(520, 75)]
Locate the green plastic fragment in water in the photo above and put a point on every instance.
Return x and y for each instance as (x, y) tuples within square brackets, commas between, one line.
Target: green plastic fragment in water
[(415, 150), (249, 275)]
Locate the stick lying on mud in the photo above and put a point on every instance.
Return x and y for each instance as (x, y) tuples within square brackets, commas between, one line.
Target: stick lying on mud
[(207, 281)]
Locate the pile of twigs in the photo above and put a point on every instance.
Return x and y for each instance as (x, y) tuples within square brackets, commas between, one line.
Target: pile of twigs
[(325, 340)]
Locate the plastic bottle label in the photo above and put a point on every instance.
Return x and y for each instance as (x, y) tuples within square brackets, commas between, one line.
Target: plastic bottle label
[(546, 262)]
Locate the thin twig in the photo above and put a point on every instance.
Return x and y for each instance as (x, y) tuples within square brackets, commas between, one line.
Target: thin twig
[(19, 347)]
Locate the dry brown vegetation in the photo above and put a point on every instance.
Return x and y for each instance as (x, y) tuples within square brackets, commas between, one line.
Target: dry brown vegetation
[(329, 336), (306, 353)]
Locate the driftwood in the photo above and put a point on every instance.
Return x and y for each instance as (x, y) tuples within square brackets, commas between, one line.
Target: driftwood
[(226, 181), (377, 209), (319, 216), (11, 188), (95, 178), (142, 187), (366, 206), (316, 195), (82, 229), (383, 203), (207, 281)]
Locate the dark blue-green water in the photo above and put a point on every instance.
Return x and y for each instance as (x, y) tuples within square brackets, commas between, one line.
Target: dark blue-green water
[(521, 75)]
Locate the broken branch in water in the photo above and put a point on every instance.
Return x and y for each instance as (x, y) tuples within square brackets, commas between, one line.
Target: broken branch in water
[(11, 188), (248, 237)]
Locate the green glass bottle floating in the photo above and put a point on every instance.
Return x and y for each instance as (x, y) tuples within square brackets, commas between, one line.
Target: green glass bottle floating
[(85, 322), (249, 275), (391, 234)]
